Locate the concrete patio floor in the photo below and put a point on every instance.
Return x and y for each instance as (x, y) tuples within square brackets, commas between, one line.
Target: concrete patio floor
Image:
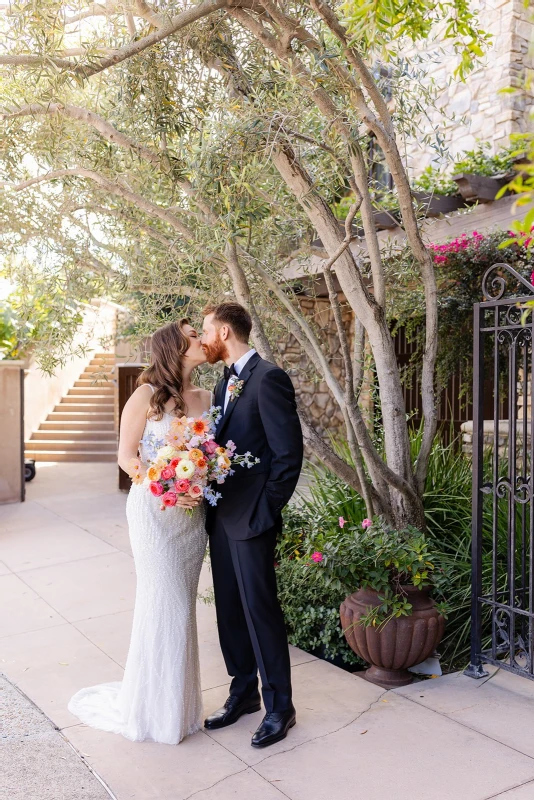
[(66, 596)]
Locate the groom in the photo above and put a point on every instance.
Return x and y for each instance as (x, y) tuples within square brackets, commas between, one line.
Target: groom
[(260, 416)]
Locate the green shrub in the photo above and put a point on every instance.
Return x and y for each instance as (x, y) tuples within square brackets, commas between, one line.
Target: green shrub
[(448, 508), (480, 161), (435, 181)]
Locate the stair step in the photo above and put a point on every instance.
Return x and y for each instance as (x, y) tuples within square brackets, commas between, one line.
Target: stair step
[(96, 383), (85, 407), (79, 425), (85, 415), (87, 390), (80, 446), (65, 455), (105, 399), (104, 367), (70, 435)]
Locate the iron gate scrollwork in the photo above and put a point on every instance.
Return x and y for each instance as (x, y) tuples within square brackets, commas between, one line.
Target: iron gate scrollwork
[(502, 610)]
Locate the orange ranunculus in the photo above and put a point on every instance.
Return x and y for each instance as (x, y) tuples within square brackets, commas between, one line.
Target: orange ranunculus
[(153, 473), (201, 462), (195, 454)]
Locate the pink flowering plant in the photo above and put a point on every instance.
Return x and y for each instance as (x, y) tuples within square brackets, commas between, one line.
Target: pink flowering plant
[(459, 265), (372, 554)]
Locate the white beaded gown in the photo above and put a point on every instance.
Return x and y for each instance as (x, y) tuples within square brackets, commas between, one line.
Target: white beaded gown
[(159, 698)]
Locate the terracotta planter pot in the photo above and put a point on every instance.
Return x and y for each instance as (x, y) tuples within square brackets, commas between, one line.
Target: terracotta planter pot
[(401, 643)]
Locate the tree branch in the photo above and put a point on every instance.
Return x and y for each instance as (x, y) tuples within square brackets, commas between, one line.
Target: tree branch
[(113, 188)]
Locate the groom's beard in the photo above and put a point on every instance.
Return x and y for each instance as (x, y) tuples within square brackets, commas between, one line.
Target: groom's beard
[(216, 351)]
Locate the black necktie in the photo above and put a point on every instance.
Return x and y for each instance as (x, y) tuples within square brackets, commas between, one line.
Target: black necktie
[(229, 371)]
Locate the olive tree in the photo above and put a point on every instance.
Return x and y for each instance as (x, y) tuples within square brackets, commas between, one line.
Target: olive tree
[(187, 147)]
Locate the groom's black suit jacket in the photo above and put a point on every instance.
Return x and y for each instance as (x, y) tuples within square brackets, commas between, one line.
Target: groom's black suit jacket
[(263, 420)]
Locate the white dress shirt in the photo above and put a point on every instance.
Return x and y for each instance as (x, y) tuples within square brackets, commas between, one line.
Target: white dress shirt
[(238, 366)]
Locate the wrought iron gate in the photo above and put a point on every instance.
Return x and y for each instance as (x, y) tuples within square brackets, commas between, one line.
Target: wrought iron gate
[(502, 612)]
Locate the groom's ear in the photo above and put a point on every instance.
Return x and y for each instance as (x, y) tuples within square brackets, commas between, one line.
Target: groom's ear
[(224, 332)]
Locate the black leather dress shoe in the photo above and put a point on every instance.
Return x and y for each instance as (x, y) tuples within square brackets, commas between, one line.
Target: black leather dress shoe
[(274, 728), (234, 708)]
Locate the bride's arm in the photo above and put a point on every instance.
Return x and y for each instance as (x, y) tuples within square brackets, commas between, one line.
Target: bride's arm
[(133, 422)]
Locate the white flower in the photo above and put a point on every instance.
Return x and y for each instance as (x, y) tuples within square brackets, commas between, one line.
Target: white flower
[(167, 452), (185, 469)]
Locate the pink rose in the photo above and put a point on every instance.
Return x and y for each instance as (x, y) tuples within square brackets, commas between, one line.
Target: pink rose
[(366, 523), (342, 522), (182, 486), (167, 473), (174, 463), (169, 499), (156, 488), (195, 490), (317, 557), (210, 447)]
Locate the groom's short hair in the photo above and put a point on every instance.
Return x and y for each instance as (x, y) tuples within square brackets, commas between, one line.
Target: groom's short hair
[(233, 315)]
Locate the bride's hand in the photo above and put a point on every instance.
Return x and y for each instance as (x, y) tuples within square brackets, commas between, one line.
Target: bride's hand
[(188, 502)]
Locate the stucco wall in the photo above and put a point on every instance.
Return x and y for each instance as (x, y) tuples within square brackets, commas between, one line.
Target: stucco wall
[(42, 392)]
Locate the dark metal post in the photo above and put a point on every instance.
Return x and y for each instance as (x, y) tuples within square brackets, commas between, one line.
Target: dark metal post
[(475, 668)]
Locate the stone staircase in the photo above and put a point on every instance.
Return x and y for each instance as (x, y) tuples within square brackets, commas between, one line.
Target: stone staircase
[(82, 426)]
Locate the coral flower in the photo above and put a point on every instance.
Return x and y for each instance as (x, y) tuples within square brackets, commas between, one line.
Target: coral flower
[(201, 463), (167, 473), (366, 523), (317, 557), (156, 489), (200, 427), (195, 454), (153, 474), (169, 499), (195, 490), (182, 486)]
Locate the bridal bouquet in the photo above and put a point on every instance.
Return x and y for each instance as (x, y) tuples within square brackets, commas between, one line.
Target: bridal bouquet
[(191, 460)]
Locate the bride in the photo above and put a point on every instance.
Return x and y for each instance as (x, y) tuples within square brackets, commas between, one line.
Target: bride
[(159, 698)]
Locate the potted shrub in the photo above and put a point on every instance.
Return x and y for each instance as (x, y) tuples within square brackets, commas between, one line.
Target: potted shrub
[(386, 215), (436, 193), (480, 175), (390, 620)]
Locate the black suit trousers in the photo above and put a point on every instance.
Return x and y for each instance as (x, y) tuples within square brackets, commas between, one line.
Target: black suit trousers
[(250, 621)]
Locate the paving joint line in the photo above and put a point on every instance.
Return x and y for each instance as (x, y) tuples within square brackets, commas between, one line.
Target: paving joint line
[(329, 733), (469, 728), (58, 730), (72, 624), (511, 789)]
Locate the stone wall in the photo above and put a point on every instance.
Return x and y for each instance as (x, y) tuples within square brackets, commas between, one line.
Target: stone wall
[(482, 112), (313, 393)]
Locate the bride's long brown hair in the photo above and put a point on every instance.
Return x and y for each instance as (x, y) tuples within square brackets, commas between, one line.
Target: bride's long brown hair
[(169, 344)]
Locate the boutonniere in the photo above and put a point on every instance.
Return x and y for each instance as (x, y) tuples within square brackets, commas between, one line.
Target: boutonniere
[(235, 387)]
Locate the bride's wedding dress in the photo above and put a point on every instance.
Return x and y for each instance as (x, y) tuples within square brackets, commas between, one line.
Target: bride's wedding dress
[(159, 698)]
